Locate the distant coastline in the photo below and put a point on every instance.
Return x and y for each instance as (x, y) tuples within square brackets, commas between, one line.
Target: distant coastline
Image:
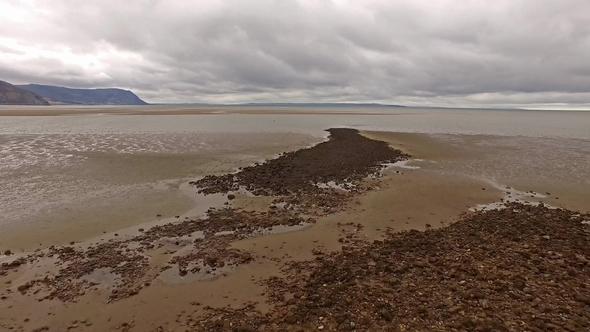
[(283, 104)]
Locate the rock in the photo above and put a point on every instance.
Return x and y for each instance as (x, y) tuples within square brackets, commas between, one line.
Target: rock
[(244, 328), (293, 319), (484, 303), (582, 298), (317, 251), (7, 252), (421, 263), (23, 288), (386, 315), (231, 196), (211, 261), (41, 329), (455, 309), (15, 264)]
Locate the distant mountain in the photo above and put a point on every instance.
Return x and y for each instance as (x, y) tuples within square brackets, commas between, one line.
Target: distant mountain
[(61, 95), (13, 95)]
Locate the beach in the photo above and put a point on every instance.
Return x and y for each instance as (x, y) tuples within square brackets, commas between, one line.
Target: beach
[(236, 225)]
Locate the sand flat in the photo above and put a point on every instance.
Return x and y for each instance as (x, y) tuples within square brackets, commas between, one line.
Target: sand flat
[(409, 199), (406, 198)]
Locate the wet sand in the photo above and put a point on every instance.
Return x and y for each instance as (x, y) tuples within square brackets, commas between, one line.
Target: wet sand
[(413, 195), (109, 190), (563, 182)]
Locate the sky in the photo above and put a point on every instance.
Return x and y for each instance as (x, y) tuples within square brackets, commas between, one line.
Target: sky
[(453, 53)]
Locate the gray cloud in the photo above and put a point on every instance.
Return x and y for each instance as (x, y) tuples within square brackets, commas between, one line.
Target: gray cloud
[(428, 52)]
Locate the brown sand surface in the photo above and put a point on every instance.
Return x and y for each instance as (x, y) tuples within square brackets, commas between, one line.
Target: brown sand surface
[(403, 199), (561, 185), (408, 201)]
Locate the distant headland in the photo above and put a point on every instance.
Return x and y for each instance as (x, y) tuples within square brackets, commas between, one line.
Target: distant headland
[(37, 94)]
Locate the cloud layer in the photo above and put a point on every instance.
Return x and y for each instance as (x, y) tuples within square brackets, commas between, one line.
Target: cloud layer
[(414, 52)]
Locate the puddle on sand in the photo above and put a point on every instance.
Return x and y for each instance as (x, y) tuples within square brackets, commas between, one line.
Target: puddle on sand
[(402, 164), (281, 229), (509, 195), (346, 186), (103, 277), (172, 276), (205, 272), (51, 264), (202, 204)]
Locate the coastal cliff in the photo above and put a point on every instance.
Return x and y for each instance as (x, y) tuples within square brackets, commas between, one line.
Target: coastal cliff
[(62, 95), (13, 95)]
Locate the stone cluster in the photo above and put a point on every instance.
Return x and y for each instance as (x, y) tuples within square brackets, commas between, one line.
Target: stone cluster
[(517, 268)]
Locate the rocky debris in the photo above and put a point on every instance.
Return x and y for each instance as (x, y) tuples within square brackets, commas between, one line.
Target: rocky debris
[(126, 327), (241, 222), (235, 320), (490, 271), (12, 265), (319, 202), (345, 160), (7, 267), (68, 283), (213, 256), (219, 229)]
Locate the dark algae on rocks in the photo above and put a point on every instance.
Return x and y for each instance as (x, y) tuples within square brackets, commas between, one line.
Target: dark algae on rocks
[(518, 268), (309, 179), (345, 158)]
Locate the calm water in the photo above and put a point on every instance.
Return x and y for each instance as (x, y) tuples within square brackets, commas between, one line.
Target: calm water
[(46, 161), (447, 121)]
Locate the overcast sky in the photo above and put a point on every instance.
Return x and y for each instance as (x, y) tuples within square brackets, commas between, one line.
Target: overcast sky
[(412, 52)]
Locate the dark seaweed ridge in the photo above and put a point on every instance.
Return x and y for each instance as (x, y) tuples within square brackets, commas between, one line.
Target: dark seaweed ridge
[(522, 268), (347, 157)]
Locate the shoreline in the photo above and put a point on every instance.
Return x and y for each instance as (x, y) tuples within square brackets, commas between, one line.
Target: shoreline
[(402, 200)]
